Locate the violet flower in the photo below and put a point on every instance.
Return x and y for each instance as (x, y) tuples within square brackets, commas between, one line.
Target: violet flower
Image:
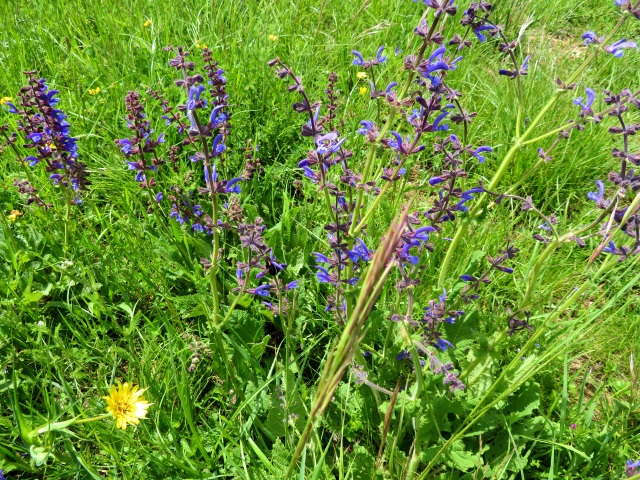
[(591, 37), (476, 153), (616, 49), (586, 107)]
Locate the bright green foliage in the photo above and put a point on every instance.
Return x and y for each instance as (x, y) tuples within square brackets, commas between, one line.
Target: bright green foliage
[(128, 299)]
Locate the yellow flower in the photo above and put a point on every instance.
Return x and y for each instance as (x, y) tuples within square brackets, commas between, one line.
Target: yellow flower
[(361, 75), (13, 216), (147, 23), (126, 404), (363, 90), (94, 91), (273, 37), (4, 100)]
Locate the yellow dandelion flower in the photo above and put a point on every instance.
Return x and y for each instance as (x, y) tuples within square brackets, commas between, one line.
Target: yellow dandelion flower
[(4, 100), (126, 404), (361, 75), (273, 37), (147, 23), (94, 91), (13, 216), (363, 90)]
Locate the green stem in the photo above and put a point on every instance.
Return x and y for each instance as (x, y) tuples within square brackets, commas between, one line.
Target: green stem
[(93, 419)]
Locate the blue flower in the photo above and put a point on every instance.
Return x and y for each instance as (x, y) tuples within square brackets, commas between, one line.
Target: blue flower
[(586, 107), (443, 344), (599, 195), (232, 186), (320, 258), (379, 57), (33, 161), (591, 37), (217, 147), (358, 60), (402, 355), (125, 145), (323, 275), (422, 233), (476, 153), (360, 252), (217, 117), (617, 48), (194, 97), (611, 248), (261, 291), (327, 145), (367, 126), (159, 197), (11, 107), (292, 285), (478, 31)]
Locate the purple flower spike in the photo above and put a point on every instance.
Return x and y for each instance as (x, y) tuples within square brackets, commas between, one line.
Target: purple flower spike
[(617, 48), (379, 57)]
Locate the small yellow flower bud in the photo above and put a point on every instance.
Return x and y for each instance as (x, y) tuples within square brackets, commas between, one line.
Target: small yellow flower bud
[(361, 75), (147, 23), (363, 90), (4, 100), (273, 37)]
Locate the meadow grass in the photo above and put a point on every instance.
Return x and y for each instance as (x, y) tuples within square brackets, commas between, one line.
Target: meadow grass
[(127, 298)]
